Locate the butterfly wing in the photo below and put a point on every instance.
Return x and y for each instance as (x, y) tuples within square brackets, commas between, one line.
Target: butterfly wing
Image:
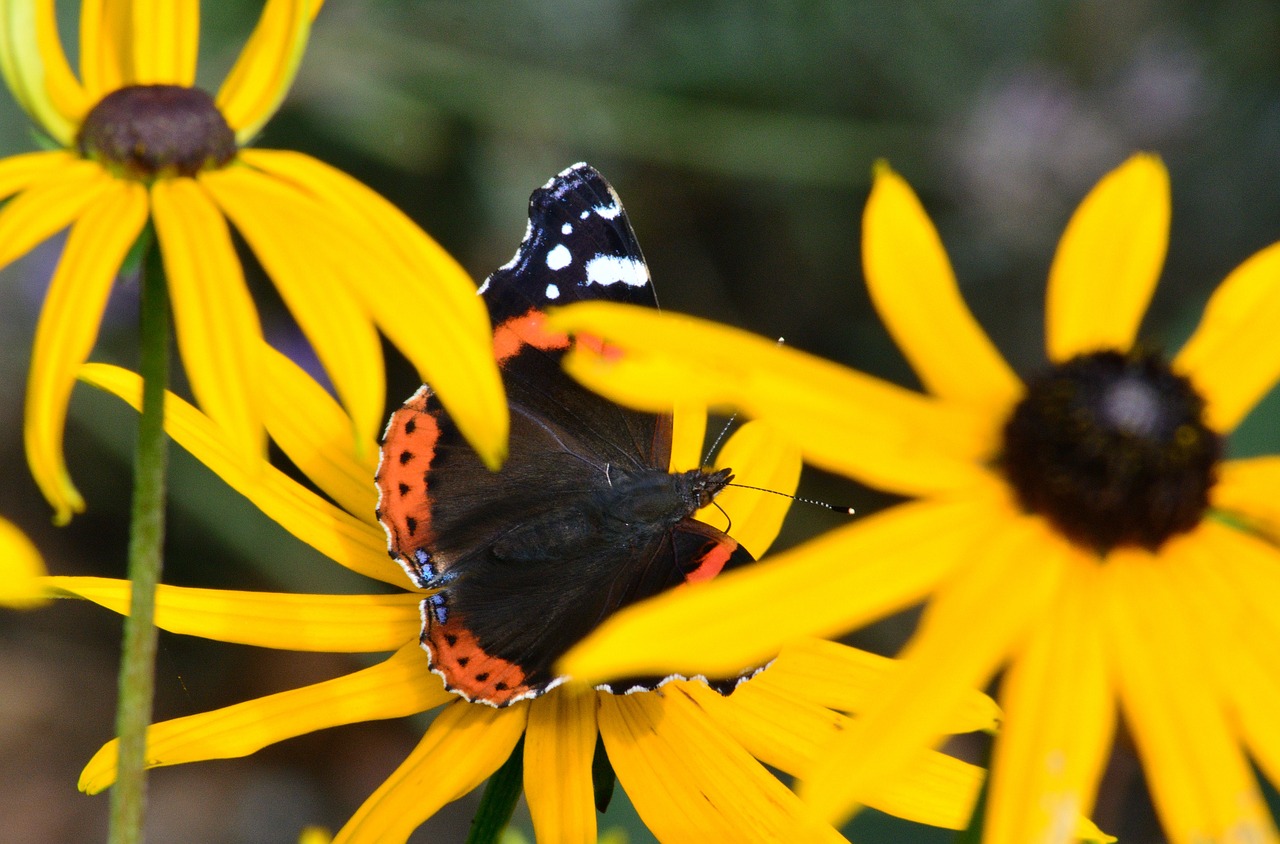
[(524, 567), (579, 246)]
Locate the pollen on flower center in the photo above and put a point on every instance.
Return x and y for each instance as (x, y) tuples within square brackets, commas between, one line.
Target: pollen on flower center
[(145, 131), (1113, 450)]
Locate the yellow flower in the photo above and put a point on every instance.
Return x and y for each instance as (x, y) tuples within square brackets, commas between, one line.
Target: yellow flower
[(315, 835), (689, 758), (139, 143), (1080, 529), (20, 569)]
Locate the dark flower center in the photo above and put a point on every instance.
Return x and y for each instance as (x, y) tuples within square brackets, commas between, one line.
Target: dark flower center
[(145, 131), (1113, 450)]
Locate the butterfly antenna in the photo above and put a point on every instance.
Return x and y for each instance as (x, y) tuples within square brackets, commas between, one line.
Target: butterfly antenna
[(849, 511), (706, 458)]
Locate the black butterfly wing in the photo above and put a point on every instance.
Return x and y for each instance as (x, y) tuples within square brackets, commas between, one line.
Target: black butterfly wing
[(518, 651), (479, 537), (524, 565), (579, 246), (576, 214), (699, 552)]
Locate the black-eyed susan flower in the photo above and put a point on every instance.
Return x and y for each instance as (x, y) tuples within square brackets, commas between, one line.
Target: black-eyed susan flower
[(1081, 529), (139, 142), (20, 569), (689, 758)]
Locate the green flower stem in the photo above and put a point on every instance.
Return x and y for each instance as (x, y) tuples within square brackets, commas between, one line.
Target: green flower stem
[(146, 543), (499, 800)]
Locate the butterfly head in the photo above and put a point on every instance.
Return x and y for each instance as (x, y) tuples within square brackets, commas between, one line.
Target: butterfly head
[(704, 486)]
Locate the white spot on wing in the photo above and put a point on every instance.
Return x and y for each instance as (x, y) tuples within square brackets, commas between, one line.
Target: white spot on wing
[(559, 258), (553, 292), (567, 228), (610, 269), (608, 211), (584, 215)]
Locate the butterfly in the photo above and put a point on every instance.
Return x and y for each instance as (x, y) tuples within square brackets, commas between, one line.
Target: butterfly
[(584, 518)]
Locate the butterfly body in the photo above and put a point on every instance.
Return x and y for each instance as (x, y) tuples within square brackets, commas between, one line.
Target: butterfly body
[(585, 517)]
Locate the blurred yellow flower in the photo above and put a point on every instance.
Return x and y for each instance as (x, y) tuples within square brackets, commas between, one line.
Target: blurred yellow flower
[(1080, 530), (689, 758), (20, 570), (315, 835), (139, 144)]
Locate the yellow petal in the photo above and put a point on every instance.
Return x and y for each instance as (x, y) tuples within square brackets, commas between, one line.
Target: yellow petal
[(315, 434), (689, 430), (326, 623), (558, 748), (315, 835), (1088, 832), (214, 316), (315, 268), (935, 789), (1253, 566), (1112, 252), (19, 172), (35, 68), (20, 570), (466, 743), (689, 781), (827, 586), (50, 204), (772, 722), (1200, 781), (848, 679), (1059, 720), (65, 92), (106, 39), (906, 442), (400, 686), (759, 458), (1245, 663), (1232, 358), (969, 627), (787, 733), (166, 36), (1245, 492), (68, 326), (914, 290), (358, 545), (261, 77), (434, 316)]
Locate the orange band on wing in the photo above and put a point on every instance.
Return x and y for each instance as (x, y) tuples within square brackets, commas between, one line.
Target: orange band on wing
[(712, 561), (526, 330), (409, 447), (456, 655)]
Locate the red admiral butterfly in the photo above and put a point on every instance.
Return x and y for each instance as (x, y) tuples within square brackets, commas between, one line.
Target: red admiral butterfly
[(584, 518)]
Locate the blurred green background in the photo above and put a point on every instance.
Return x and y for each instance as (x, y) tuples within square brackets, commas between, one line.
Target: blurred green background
[(741, 136)]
